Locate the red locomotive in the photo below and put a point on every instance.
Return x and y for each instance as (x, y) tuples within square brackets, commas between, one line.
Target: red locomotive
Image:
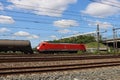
[(60, 47)]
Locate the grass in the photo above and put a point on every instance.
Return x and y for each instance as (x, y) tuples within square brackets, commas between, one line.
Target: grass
[(94, 45)]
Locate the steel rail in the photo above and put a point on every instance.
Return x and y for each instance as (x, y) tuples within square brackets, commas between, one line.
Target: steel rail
[(51, 58), (51, 68)]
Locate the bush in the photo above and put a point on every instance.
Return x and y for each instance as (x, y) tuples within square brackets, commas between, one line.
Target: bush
[(80, 52)]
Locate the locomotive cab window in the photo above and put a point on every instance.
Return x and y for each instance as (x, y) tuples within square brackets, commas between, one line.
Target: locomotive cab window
[(43, 44)]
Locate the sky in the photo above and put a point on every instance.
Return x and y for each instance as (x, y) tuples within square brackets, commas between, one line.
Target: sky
[(44, 20)]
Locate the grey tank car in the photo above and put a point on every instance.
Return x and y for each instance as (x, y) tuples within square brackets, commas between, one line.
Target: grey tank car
[(16, 45)]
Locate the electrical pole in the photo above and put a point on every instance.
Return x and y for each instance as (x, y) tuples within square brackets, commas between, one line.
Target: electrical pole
[(98, 38), (114, 39), (115, 45), (116, 42)]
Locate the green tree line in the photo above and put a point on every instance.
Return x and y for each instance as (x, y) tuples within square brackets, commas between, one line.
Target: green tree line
[(79, 39)]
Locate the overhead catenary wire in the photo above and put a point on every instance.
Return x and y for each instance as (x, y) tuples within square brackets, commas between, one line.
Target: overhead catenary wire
[(66, 18), (50, 9), (110, 3), (18, 27), (44, 22), (47, 19), (77, 16), (34, 21), (70, 12)]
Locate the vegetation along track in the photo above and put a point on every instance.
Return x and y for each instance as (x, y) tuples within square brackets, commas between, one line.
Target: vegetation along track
[(29, 58)]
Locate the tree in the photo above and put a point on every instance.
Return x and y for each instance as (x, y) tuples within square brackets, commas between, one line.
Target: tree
[(78, 39)]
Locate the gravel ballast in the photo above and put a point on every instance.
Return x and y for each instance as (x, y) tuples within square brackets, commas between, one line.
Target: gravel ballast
[(106, 73)]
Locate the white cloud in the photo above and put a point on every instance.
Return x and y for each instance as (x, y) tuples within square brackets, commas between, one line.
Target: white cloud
[(2, 30), (33, 36), (53, 36), (22, 33), (103, 25), (25, 34), (43, 7), (65, 23), (1, 6), (64, 31), (6, 19), (102, 9)]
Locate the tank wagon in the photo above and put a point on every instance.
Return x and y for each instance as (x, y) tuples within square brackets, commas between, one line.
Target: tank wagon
[(16, 45), (60, 47)]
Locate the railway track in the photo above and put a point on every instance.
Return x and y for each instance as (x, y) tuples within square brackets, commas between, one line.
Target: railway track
[(98, 62), (22, 70), (8, 59)]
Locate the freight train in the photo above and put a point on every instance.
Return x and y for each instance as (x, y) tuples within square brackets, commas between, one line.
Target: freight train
[(44, 47), (60, 47), (16, 45)]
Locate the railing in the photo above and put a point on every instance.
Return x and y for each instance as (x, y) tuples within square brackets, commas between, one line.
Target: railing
[(110, 38)]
